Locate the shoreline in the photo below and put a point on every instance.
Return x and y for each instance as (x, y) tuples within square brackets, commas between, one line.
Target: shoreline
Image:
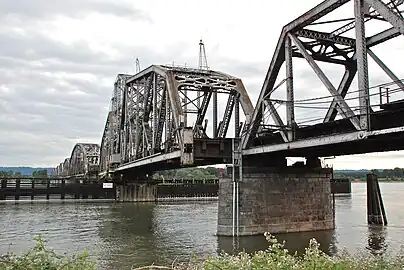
[(380, 181)]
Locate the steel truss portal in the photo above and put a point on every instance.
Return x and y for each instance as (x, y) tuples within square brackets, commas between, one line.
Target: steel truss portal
[(299, 40), (151, 114)]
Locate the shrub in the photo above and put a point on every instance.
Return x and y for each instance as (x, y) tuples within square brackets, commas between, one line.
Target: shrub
[(274, 257), (277, 257), (41, 257)]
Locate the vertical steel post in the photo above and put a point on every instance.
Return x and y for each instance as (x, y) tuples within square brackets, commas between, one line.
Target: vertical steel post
[(290, 110), (155, 114), (380, 96), (168, 122), (136, 93), (214, 114), (237, 117), (185, 107), (362, 64), (233, 176)]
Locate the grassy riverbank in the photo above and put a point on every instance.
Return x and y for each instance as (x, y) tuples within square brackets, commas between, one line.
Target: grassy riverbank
[(275, 257)]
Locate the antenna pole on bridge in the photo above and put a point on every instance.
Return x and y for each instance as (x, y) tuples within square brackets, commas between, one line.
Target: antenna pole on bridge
[(203, 61), (203, 65), (137, 65)]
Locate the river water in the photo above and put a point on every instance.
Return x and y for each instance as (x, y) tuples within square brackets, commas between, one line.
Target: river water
[(123, 235)]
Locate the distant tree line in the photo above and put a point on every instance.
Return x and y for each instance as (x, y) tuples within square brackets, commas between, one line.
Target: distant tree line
[(10, 174), (38, 173), (396, 173), (190, 173)]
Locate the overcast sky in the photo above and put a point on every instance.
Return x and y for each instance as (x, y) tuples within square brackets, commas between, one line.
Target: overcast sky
[(59, 60)]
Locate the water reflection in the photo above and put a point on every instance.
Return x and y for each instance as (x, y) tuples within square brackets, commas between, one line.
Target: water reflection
[(248, 244), (344, 199), (294, 242), (377, 239), (147, 233), (128, 232), (128, 235)]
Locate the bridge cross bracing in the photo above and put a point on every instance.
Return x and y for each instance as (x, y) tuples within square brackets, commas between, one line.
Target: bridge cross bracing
[(352, 121), (157, 118)]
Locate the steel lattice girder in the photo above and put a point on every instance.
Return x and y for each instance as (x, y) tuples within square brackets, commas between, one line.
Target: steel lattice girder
[(110, 142), (156, 99), (84, 160), (331, 48), (65, 168), (149, 112)]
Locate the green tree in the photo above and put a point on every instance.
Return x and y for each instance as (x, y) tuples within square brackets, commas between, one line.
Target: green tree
[(212, 171), (6, 173), (40, 173)]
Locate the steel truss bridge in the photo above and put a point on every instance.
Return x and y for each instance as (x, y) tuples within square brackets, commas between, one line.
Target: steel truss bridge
[(149, 126), (167, 117)]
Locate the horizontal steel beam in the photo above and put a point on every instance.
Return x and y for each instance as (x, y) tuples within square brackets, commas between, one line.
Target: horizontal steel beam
[(323, 59), (371, 41), (382, 37), (321, 141), (325, 37), (315, 13), (149, 160), (314, 142), (153, 68)]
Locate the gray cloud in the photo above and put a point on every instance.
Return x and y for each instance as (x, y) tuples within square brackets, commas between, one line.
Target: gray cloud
[(73, 8), (54, 94), (55, 103)]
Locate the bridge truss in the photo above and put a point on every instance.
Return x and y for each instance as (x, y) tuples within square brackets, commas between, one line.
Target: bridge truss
[(167, 117), (83, 162), (161, 115), (274, 131)]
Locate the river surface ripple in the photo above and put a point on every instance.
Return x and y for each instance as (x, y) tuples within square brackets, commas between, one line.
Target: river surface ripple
[(124, 235)]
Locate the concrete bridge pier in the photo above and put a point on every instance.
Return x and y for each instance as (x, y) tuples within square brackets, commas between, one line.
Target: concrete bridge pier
[(277, 199), (135, 188)]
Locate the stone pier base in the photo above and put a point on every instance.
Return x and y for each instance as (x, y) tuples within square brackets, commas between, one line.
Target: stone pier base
[(278, 200), (136, 193)]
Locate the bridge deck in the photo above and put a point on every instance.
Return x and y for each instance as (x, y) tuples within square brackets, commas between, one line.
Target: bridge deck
[(339, 137), (206, 152)]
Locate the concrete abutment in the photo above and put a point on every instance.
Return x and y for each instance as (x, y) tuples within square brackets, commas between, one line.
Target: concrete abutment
[(277, 200)]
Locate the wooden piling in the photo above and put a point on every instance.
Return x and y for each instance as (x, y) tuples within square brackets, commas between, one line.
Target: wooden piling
[(32, 189), (375, 207), (3, 187), (63, 189), (48, 191), (17, 189)]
